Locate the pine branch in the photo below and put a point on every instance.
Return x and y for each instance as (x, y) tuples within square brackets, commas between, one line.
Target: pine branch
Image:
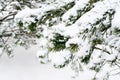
[(5, 35), (102, 50), (12, 14)]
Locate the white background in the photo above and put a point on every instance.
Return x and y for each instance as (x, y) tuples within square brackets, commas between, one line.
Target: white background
[(25, 66)]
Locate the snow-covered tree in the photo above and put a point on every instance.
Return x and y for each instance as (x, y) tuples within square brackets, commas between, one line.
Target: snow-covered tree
[(11, 34), (70, 32)]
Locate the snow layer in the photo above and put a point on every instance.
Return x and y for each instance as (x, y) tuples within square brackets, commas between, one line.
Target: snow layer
[(88, 21), (79, 5), (1, 50), (116, 20), (59, 58)]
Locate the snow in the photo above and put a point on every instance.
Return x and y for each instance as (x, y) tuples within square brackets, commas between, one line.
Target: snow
[(12, 6), (86, 21), (115, 43), (25, 66), (109, 39), (75, 40), (47, 32), (43, 43), (1, 49), (41, 53), (71, 31), (97, 11), (26, 13), (116, 20), (59, 58), (79, 5), (0, 6)]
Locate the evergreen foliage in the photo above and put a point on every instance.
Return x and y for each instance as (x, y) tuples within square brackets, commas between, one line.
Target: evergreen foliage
[(86, 31)]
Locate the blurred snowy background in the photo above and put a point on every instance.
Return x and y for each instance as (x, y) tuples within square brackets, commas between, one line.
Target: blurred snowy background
[(25, 66)]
